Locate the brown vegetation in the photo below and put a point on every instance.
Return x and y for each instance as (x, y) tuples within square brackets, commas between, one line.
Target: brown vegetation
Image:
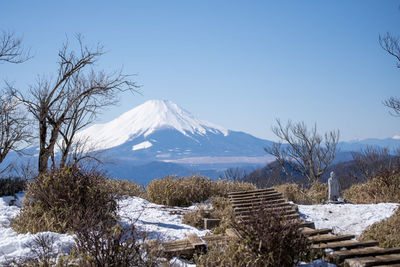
[(302, 195), (185, 191), (386, 232), (267, 239), (54, 199)]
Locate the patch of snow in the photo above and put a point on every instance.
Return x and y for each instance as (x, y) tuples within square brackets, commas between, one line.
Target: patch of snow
[(347, 218), (142, 145), (157, 221), (143, 120)]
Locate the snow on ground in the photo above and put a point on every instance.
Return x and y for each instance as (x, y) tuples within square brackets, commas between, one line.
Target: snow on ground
[(157, 221), (347, 218), (164, 223)]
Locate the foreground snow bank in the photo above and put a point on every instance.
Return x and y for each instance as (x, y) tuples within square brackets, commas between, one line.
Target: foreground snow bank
[(156, 221), (164, 223), (347, 218)]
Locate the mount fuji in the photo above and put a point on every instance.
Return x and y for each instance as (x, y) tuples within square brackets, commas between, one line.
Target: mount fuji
[(162, 135)]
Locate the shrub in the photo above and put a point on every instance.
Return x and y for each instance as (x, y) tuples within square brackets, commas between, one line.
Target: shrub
[(185, 191), (11, 186), (301, 195), (54, 199), (266, 239), (386, 232), (385, 188), (104, 245), (222, 187), (125, 188), (221, 209)]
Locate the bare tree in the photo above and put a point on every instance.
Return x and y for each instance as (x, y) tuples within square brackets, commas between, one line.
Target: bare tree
[(72, 100), (14, 124), (306, 151), (373, 161), (15, 132), (11, 50), (391, 45)]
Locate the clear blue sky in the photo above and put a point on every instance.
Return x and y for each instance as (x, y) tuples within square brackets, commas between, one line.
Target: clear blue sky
[(239, 64)]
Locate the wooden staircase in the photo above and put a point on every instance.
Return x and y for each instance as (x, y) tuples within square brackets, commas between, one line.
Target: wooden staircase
[(342, 250)]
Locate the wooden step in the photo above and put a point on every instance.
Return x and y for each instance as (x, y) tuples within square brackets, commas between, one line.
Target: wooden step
[(338, 257), (373, 261), (253, 195), (252, 212), (325, 238), (259, 203), (251, 191), (346, 244), (246, 218), (258, 199), (312, 232), (307, 224), (276, 205)]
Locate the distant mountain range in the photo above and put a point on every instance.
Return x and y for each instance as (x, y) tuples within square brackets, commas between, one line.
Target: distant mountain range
[(159, 138)]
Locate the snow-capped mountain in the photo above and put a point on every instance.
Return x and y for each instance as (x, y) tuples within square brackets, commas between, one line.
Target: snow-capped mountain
[(161, 130), (144, 120)]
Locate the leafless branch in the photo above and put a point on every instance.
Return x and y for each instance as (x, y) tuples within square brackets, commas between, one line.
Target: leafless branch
[(11, 50), (306, 150)]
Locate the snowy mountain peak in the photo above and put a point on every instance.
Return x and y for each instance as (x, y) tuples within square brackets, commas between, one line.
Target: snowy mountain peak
[(145, 119)]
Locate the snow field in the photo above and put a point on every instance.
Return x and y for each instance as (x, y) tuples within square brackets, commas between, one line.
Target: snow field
[(164, 223)]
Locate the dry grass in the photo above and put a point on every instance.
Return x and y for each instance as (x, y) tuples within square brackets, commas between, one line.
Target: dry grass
[(385, 188), (221, 209), (55, 199), (185, 191), (125, 188), (301, 195), (386, 232), (11, 186)]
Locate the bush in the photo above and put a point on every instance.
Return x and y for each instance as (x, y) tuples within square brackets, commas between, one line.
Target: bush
[(185, 191), (301, 195), (175, 191), (386, 232), (222, 187), (221, 209), (102, 245), (384, 188), (267, 239), (55, 199), (125, 188), (11, 186)]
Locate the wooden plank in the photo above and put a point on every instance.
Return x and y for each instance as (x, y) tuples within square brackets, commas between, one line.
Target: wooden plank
[(258, 203), (283, 211), (250, 191), (257, 199), (279, 203), (312, 232), (307, 224), (346, 244), (339, 256), (325, 238), (276, 205), (215, 238), (246, 218), (372, 261), (253, 196), (195, 241)]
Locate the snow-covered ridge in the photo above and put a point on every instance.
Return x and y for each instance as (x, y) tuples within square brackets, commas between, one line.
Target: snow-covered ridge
[(145, 119)]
